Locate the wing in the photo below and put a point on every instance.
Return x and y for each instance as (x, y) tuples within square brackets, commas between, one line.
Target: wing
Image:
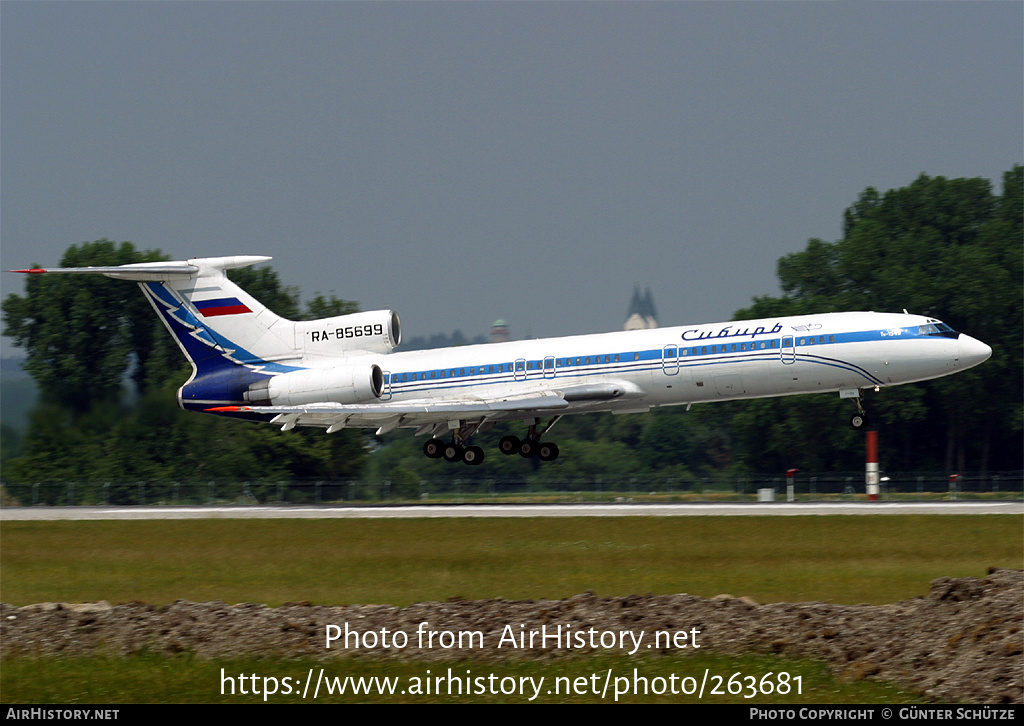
[(424, 414)]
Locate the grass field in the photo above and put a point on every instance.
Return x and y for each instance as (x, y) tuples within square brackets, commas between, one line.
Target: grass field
[(836, 559), (332, 562)]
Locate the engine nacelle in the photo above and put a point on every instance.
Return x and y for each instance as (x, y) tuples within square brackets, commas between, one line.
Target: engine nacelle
[(337, 384), (376, 331)]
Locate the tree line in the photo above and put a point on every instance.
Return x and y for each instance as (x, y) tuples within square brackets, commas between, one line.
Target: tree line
[(950, 248), (108, 373)]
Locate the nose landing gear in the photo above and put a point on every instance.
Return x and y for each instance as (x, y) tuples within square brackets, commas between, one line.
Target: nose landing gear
[(859, 421)]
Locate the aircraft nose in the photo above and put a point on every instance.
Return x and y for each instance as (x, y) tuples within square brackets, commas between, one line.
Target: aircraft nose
[(972, 351)]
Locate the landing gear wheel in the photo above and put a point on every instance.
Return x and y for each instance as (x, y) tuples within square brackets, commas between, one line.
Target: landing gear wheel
[(509, 445), (433, 449), (859, 421), (453, 452), (547, 452), (474, 456), (528, 448)]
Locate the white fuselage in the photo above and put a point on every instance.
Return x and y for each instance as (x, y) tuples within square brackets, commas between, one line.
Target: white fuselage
[(690, 364)]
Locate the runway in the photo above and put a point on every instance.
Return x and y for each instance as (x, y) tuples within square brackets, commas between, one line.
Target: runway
[(751, 509)]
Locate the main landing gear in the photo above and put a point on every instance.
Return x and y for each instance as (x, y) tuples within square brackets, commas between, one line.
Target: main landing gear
[(453, 451), (458, 449), (531, 446)]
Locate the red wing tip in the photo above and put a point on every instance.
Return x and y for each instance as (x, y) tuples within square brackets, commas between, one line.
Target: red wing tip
[(34, 271), (228, 408)]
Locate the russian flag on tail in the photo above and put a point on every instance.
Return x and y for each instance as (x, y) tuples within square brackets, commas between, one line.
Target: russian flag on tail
[(221, 306)]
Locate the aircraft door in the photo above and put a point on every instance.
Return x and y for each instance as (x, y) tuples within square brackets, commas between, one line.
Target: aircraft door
[(520, 369), (670, 360), (788, 351), (385, 394), (549, 366)]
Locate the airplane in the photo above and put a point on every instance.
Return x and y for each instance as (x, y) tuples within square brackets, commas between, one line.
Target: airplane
[(342, 372)]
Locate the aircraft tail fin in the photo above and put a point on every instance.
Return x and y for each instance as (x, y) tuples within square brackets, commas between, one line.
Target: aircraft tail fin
[(230, 338)]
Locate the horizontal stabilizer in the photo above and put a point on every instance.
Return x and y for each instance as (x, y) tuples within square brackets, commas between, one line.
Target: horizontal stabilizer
[(155, 271), (158, 268)]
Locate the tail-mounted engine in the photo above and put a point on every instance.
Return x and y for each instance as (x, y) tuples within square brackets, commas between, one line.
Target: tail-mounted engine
[(376, 331), (339, 384)]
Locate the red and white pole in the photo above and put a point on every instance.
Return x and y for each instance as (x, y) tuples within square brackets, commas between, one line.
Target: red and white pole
[(871, 467), (790, 489)]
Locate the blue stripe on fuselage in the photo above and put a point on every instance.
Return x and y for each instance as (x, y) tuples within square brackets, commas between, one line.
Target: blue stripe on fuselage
[(695, 359)]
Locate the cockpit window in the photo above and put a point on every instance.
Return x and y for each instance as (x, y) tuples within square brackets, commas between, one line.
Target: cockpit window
[(937, 328)]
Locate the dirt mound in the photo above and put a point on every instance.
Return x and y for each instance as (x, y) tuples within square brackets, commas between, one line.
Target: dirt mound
[(963, 642)]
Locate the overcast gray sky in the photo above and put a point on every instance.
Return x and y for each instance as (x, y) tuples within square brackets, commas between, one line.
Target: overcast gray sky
[(462, 161)]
